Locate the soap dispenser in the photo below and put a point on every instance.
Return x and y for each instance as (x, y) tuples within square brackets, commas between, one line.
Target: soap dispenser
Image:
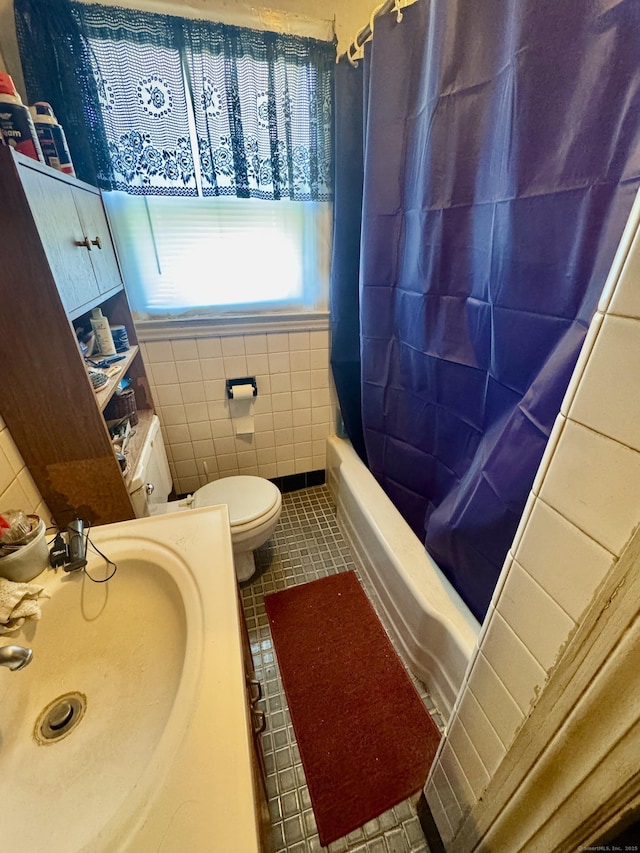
[(100, 326)]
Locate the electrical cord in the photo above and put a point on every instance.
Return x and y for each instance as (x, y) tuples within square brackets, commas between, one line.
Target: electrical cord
[(52, 528), (87, 541), (59, 554)]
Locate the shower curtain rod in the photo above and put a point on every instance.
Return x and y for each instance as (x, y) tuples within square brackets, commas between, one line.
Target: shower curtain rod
[(366, 32)]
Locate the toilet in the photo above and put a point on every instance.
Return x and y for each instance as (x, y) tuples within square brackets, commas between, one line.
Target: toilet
[(254, 504)]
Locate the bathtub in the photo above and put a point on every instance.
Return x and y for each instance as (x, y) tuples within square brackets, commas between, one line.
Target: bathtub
[(428, 620)]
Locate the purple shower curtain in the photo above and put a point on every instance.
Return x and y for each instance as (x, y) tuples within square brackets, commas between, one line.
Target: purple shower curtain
[(501, 159)]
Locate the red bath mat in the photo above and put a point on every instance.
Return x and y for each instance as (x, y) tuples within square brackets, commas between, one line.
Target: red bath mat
[(365, 738)]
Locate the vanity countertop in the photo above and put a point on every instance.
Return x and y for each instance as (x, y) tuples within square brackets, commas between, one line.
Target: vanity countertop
[(207, 801), (194, 789)]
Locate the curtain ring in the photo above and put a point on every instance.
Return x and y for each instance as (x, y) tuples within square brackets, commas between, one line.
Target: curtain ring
[(375, 12), (353, 59), (371, 19), (397, 8), (358, 51)]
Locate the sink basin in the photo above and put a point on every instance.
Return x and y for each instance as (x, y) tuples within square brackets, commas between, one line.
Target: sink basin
[(110, 739)]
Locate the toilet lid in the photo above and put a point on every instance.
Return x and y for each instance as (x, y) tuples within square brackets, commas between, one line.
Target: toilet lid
[(246, 497)]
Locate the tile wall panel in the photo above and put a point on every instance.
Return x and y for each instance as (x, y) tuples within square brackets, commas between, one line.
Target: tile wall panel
[(511, 660), (468, 758), (483, 736), (567, 563), (294, 412), (625, 296), (612, 408), (450, 806), (525, 622), (17, 489), (457, 779), (495, 700), (433, 792), (594, 482)]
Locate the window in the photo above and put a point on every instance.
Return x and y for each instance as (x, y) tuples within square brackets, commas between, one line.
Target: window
[(182, 255), (219, 140)]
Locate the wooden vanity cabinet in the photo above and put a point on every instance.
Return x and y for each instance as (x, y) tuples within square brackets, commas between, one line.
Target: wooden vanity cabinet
[(256, 720), (57, 262), (72, 226)]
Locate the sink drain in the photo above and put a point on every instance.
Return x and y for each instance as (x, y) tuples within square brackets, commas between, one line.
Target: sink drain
[(60, 717)]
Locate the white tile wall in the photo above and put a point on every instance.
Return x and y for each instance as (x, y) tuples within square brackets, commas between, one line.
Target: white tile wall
[(483, 736), (567, 563), (612, 408), (457, 778), (511, 660), (294, 412), (434, 793), (594, 482), (582, 510), (625, 299), (542, 645), (493, 697), (17, 489), (451, 811), (464, 748)]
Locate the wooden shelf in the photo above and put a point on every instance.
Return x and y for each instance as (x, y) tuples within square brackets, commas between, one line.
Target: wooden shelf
[(104, 394), (45, 264)]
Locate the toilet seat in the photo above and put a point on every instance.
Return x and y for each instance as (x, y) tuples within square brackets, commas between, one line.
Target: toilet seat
[(253, 503), (248, 498)]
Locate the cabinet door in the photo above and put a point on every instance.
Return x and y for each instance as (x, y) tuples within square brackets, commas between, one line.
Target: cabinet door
[(62, 235), (258, 768), (102, 255)]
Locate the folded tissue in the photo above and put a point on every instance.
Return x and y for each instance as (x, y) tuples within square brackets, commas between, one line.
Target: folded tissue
[(18, 602)]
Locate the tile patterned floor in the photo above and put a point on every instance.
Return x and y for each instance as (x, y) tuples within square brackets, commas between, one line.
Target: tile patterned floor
[(308, 545)]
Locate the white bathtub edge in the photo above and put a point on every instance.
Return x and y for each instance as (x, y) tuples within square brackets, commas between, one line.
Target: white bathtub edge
[(433, 626)]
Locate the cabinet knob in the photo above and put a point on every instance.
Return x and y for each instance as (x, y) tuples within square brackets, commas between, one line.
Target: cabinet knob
[(86, 243), (149, 488), (97, 242)]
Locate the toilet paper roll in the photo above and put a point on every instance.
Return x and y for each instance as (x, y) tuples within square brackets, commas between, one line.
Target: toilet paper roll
[(240, 407), (242, 392)]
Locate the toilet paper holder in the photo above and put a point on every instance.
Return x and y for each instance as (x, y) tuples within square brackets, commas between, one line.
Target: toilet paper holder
[(248, 380)]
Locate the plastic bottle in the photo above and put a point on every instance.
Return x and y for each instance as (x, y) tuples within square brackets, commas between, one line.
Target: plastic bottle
[(102, 331), (51, 137), (16, 122)]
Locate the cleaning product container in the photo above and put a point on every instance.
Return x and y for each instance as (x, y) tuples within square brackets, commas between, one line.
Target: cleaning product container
[(16, 124), (27, 561), (51, 137)]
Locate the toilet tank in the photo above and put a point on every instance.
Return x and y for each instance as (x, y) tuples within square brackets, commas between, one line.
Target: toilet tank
[(152, 468)]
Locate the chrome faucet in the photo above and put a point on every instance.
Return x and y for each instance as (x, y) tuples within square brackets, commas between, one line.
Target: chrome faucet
[(15, 657)]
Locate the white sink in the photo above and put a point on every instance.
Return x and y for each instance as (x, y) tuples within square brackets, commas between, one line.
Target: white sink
[(128, 730)]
